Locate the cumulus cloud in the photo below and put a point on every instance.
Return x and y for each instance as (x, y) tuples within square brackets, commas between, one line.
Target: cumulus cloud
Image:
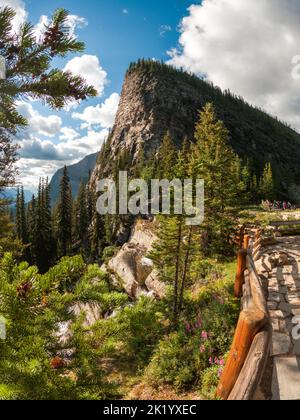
[(38, 124), (42, 158), (19, 7), (101, 114), (66, 151), (73, 22), (31, 170), (39, 150), (68, 133), (89, 67), (46, 145), (248, 47)]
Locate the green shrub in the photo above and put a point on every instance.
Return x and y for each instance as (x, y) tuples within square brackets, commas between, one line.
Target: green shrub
[(172, 363), (209, 382), (138, 327), (65, 274), (109, 252)]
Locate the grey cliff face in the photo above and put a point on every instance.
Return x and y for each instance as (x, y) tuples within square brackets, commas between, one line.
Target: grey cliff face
[(159, 100)]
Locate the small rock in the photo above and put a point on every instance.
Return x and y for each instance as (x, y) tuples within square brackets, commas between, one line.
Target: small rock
[(296, 349), (275, 325), (272, 306), (296, 312), (274, 297), (281, 344), (279, 314), (285, 307)]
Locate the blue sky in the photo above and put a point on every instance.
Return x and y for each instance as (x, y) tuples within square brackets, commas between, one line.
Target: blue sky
[(121, 31), (249, 47)]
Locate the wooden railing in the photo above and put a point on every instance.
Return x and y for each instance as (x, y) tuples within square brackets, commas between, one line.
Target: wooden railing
[(250, 349)]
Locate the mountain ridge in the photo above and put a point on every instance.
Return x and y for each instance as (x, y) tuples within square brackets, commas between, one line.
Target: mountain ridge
[(156, 98), (78, 172)]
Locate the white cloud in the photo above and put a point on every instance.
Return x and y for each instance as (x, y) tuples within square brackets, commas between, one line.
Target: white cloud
[(163, 29), (31, 170), (19, 7), (246, 46), (89, 67), (125, 11), (73, 22), (68, 133), (34, 148), (37, 123), (39, 29), (101, 114)]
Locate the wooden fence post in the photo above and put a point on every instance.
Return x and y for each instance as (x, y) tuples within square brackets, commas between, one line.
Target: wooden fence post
[(246, 241), (250, 323), (240, 275)]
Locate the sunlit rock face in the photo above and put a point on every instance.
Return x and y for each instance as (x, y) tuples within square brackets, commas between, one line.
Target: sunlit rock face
[(155, 100), (131, 265)]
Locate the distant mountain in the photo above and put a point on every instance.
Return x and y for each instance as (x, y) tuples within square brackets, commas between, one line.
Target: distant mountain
[(11, 194), (79, 172)]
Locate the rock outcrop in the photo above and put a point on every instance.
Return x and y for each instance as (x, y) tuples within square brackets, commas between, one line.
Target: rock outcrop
[(131, 265), (156, 98)]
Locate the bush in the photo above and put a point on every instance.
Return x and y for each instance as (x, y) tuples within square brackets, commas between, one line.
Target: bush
[(109, 252), (65, 274), (209, 382), (204, 335), (138, 328), (174, 362)]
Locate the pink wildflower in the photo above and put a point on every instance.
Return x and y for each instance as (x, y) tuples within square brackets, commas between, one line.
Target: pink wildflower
[(204, 335)]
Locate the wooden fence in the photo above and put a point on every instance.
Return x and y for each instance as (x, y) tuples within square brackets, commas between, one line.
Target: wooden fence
[(250, 349)]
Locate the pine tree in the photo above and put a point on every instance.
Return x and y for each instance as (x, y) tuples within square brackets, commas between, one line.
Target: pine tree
[(177, 242), (8, 158), (8, 240), (166, 158), (21, 222), (81, 214), (42, 247), (214, 161), (29, 74), (266, 187), (64, 222)]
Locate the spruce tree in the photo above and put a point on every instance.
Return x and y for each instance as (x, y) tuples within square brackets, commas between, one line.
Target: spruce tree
[(266, 187), (214, 161), (166, 158), (21, 222), (177, 243), (64, 215), (81, 214), (8, 158), (42, 247)]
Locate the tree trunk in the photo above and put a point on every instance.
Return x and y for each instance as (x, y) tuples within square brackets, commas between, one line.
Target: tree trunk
[(185, 268), (176, 280)]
